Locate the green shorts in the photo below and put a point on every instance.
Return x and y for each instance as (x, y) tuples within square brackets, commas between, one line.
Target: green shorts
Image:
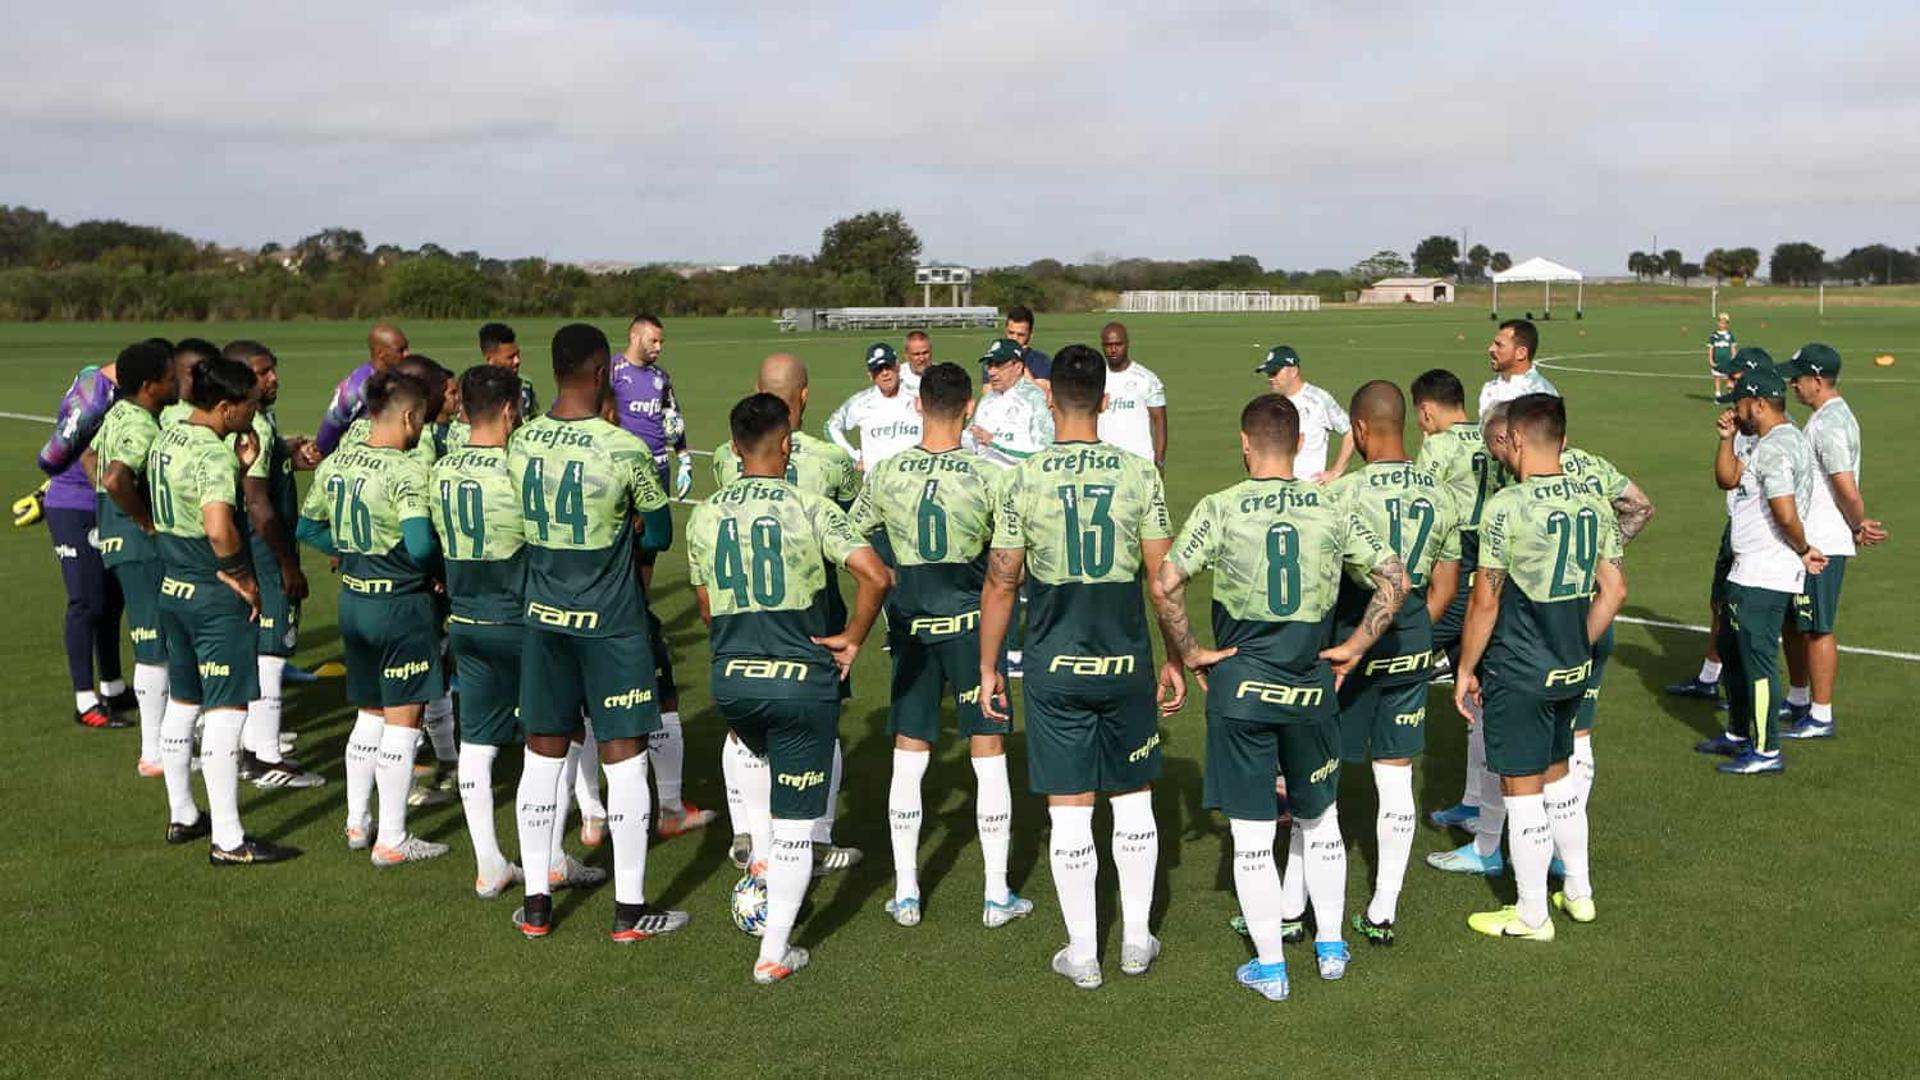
[(209, 637), (1722, 566), (1379, 722), (1817, 609), (1243, 756), (1446, 631), (279, 614), (1590, 703), (611, 678), (1107, 740), (796, 736), (923, 666), (1526, 732), (140, 584), (486, 660), (392, 648)]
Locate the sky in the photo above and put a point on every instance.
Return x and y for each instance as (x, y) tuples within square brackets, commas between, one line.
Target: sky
[(1306, 134)]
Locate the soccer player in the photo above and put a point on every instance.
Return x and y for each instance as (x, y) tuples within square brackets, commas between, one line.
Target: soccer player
[(369, 507), (1085, 521), (1019, 329), (208, 601), (817, 467), (1320, 415), (1835, 523), (273, 513), (500, 349), (1550, 583), (479, 525), (1772, 557), (1510, 355), (147, 383), (1720, 353), (936, 502), (884, 413), (1278, 546), (587, 491), (1135, 418), (1383, 702), (386, 347), (919, 359), (755, 553)]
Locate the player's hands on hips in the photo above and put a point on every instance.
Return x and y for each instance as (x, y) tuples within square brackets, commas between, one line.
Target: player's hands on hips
[(1724, 424), (1814, 560), (1870, 532), (1173, 688), (993, 694), (843, 648), (1201, 661), (1466, 694), (246, 589), (683, 478)]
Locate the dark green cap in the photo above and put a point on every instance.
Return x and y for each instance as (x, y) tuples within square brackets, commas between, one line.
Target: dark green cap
[(1278, 357), (1001, 351), (1813, 359), (1747, 359), (880, 355), (1763, 382)]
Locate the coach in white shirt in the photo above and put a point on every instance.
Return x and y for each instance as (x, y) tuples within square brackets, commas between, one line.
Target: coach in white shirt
[(1510, 355), (1135, 418), (1320, 416), (885, 414)]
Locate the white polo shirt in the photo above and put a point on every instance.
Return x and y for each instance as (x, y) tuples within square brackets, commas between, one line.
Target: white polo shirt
[(1779, 464), (1833, 437), (1320, 416), (1506, 388), (1130, 393), (887, 425)]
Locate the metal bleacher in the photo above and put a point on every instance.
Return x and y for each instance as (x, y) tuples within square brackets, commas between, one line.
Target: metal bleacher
[(886, 318)]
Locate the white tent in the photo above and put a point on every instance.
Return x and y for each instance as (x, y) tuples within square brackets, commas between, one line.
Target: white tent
[(1544, 271)]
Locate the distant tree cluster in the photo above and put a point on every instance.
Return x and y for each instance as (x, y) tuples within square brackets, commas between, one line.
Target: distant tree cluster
[(1794, 263)]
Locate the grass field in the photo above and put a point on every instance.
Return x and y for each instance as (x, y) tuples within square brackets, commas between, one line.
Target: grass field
[(1748, 925)]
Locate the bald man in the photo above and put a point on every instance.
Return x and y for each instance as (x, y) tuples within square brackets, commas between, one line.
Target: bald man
[(386, 347), (820, 468)]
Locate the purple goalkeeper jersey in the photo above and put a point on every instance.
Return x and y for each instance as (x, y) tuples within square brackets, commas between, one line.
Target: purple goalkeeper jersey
[(82, 408), (644, 394), (349, 404)]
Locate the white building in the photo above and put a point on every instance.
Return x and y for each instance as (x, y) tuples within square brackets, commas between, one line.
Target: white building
[(1408, 290)]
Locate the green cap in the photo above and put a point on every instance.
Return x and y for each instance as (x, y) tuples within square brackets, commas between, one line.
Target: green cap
[(1763, 382), (880, 355), (1278, 357), (1747, 359), (1813, 359), (1001, 351)]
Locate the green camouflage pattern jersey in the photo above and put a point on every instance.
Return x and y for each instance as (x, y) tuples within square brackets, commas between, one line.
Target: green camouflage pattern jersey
[(1549, 535), (1277, 549), (126, 435), (1596, 472), (477, 518), (937, 510), (815, 466), (759, 546), (452, 437), (426, 451), (174, 413), (1458, 457), (581, 485), (189, 467), (1080, 511), (274, 464), (1406, 506), (363, 493)]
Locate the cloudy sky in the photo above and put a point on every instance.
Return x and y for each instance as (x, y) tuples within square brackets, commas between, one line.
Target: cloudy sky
[(1304, 133)]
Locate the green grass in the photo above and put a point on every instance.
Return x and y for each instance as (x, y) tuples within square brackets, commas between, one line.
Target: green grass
[(1747, 925)]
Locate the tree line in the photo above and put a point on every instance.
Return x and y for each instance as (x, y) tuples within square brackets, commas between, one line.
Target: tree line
[(1794, 263)]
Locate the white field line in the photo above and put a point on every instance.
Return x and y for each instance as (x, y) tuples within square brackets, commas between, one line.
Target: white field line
[(1662, 624)]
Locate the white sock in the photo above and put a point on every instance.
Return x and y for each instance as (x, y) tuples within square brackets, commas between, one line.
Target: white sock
[(393, 776), (113, 687), (150, 690), (1075, 866), (1581, 766), (1531, 843), (1821, 711), (668, 749), (584, 762), (1326, 873), (563, 803), (1493, 815), (730, 751), (1476, 766), (363, 746), (534, 806), (629, 809), (788, 870), (84, 700), (261, 736), (1709, 671), (823, 825), (993, 818), (439, 727), (176, 761), (1393, 832), (1136, 858), (476, 799), (903, 816), (1256, 883), (220, 772), (1293, 883), (1799, 696), (1567, 818)]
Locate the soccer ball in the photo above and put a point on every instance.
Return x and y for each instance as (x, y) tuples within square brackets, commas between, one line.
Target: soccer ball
[(749, 905)]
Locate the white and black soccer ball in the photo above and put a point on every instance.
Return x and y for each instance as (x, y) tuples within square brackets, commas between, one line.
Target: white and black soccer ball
[(749, 905)]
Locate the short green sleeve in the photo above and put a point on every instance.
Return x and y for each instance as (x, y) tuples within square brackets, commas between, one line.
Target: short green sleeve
[(1197, 546)]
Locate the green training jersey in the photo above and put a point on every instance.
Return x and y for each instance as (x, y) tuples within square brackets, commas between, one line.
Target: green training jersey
[(816, 466), (581, 485), (1596, 472), (174, 413), (188, 468), (1080, 511), (478, 521), (274, 465), (1458, 457), (937, 510), (1549, 535), (452, 437), (426, 451), (364, 493), (1722, 345), (759, 546), (1407, 507), (1277, 548), (126, 436)]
